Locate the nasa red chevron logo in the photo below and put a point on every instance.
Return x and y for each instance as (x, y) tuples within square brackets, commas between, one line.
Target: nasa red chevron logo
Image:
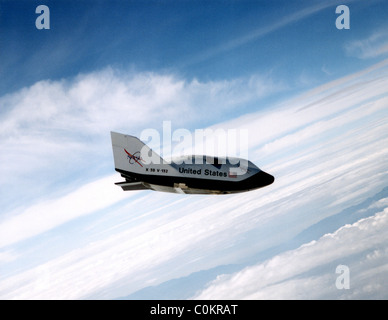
[(134, 158)]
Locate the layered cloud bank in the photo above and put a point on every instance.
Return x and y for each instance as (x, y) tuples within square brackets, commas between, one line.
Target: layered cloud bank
[(327, 149), (309, 272)]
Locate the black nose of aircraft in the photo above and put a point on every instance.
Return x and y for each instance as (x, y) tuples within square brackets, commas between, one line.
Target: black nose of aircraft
[(258, 180), (264, 179)]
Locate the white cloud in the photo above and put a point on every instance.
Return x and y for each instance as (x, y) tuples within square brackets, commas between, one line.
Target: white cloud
[(57, 131), (293, 274), (125, 259), (372, 47), (315, 108), (54, 117), (7, 256), (313, 130), (24, 223)]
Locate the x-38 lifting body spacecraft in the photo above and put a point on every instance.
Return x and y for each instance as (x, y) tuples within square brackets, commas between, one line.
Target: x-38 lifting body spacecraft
[(187, 175)]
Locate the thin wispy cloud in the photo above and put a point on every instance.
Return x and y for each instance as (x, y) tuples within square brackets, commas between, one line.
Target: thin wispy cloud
[(374, 46), (254, 35)]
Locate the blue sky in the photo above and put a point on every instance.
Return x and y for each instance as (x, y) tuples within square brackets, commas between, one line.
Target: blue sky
[(196, 39), (312, 98)]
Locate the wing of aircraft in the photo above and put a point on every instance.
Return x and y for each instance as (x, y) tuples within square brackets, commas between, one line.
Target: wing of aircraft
[(143, 169)]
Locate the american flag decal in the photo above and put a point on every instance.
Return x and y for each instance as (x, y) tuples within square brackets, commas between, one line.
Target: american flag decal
[(232, 175)]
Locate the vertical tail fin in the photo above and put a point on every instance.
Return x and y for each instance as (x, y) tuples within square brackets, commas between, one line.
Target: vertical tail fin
[(131, 154)]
